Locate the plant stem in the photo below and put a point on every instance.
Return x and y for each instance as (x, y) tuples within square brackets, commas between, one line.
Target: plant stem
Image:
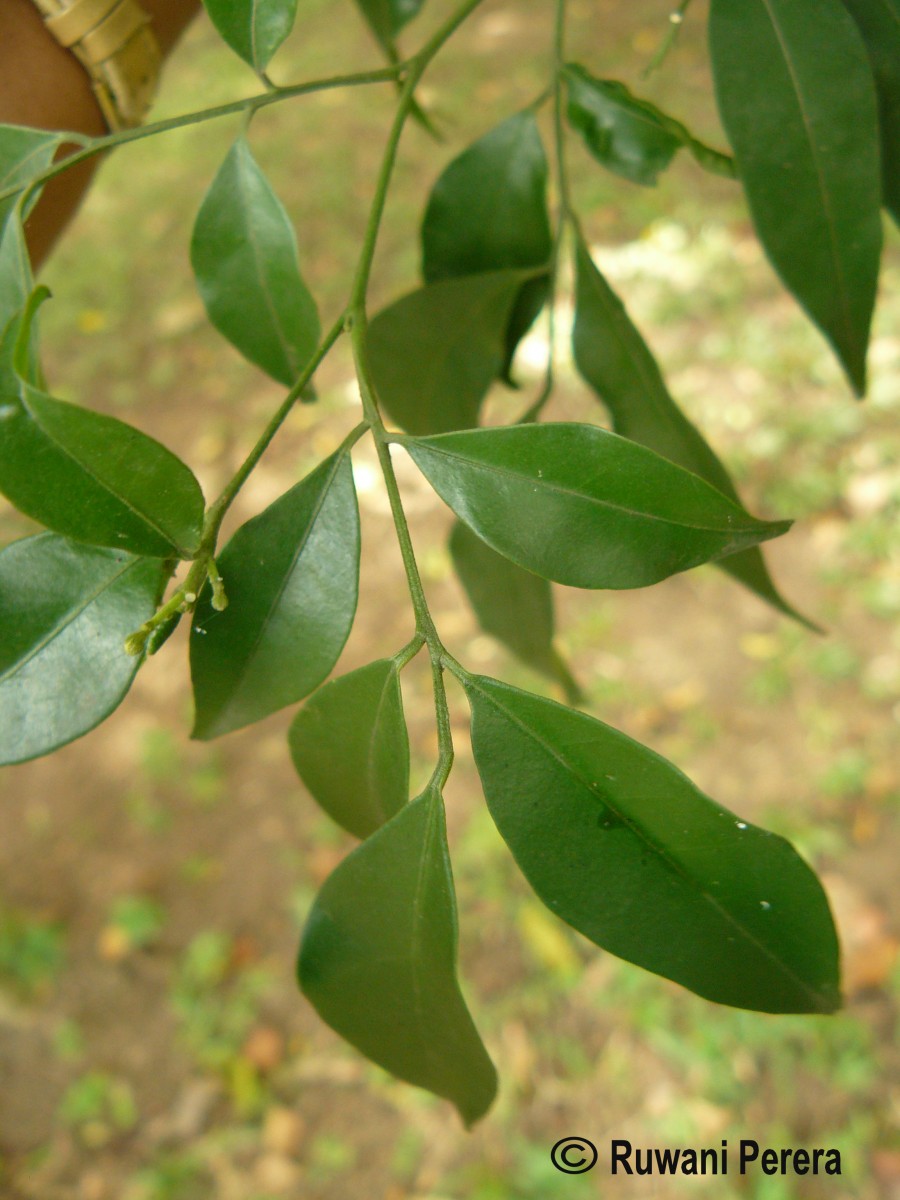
[(676, 20), (562, 180), (220, 506), (94, 146), (359, 333)]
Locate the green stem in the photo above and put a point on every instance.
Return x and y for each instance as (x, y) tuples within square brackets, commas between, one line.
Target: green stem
[(359, 331), (220, 506), (562, 180), (204, 567), (251, 104), (676, 20)]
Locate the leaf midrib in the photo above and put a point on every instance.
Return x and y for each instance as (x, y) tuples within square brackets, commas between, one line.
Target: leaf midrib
[(90, 472), (249, 658), (834, 242), (565, 491), (69, 618), (654, 847)]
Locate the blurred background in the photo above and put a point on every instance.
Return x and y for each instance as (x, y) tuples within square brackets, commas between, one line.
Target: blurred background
[(153, 1045)]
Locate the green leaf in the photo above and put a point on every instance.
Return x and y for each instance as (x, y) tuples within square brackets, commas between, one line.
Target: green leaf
[(615, 360), (622, 846), (435, 352), (90, 476), (511, 604), (489, 207), (244, 255), (387, 17), (291, 576), (350, 747), (582, 506), (254, 29), (24, 153), (488, 210), (622, 133), (378, 960), (15, 276), (797, 99), (65, 611), (879, 23)]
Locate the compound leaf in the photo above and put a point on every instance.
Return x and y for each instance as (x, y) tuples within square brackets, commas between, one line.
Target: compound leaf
[(378, 960), (291, 576), (511, 604), (244, 255), (582, 506), (488, 210), (435, 352), (87, 475), (615, 360), (797, 98), (65, 611), (879, 23), (254, 29), (622, 846), (350, 747)]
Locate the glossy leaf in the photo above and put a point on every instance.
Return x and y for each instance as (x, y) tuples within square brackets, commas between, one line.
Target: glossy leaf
[(65, 611), (582, 506), (797, 99), (618, 843), (244, 255), (488, 210), (879, 22), (511, 604), (615, 360), (24, 153), (629, 135), (291, 577), (350, 747), (378, 960), (254, 29), (489, 207), (435, 352), (90, 476), (83, 474), (387, 17)]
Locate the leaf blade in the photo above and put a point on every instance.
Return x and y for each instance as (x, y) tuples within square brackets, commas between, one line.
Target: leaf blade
[(582, 506), (622, 846), (879, 23), (86, 475), (24, 154), (627, 134), (378, 960), (350, 747), (435, 352), (797, 99), (613, 358), (245, 260), (386, 18), (65, 611), (488, 211), (284, 627), (511, 604), (254, 29)]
